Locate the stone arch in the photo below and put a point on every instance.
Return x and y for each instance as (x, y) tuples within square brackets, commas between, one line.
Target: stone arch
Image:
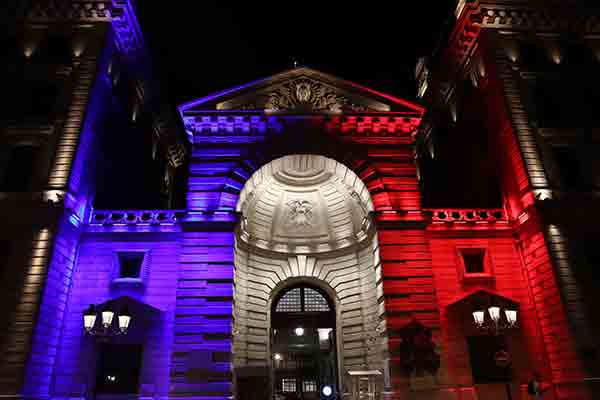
[(335, 247)]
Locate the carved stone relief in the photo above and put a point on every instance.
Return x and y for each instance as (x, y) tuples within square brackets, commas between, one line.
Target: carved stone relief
[(303, 94), (299, 213)]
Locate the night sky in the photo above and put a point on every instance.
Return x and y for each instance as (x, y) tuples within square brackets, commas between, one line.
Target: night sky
[(203, 46)]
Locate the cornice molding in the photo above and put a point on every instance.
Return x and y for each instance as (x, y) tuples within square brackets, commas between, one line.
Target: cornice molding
[(379, 128), (120, 13)]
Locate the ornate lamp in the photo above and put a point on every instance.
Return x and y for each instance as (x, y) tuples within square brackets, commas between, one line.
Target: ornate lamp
[(511, 317), (479, 318), (89, 318), (498, 319), (106, 327), (124, 319)]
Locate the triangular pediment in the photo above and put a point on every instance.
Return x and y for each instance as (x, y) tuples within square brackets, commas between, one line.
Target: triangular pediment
[(302, 90)]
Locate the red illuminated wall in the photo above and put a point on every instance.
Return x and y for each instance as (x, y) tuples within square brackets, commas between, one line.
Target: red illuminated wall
[(561, 361)]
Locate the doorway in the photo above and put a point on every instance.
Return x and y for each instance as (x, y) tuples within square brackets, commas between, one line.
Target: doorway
[(119, 367), (303, 344)]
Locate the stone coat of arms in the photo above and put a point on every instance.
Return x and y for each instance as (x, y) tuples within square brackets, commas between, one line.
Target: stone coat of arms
[(300, 213)]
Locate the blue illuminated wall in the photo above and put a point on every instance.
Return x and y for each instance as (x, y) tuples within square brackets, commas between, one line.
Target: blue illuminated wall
[(93, 284)]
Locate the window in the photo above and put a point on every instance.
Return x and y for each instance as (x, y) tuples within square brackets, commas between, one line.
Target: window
[(17, 168), (288, 385), (474, 263), (314, 301), (130, 264), (290, 302), (474, 260), (309, 386), (302, 299), (569, 167)]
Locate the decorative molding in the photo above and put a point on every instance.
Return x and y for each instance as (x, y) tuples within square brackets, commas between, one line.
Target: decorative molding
[(519, 18), (211, 126), (305, 95), (299, 95), (120, 13), (136, 217), (467, 215), (374, 126)]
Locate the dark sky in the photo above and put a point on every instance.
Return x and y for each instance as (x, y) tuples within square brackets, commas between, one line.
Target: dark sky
[(202, 46)]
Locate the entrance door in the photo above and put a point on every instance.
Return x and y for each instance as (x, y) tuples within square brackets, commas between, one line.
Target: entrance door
[(303, 346), (489, 378), (118, 369)]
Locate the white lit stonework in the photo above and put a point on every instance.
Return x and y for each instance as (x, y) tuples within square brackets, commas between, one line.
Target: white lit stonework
[(305, 218), (305, 204)]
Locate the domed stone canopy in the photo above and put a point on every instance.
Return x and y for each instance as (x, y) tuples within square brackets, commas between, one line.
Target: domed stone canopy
[(304, 204)]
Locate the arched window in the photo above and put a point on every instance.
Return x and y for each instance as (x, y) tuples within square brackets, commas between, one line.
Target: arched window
[(302, 299)]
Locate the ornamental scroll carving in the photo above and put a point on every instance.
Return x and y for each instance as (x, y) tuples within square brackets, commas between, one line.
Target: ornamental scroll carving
[(304, 94)]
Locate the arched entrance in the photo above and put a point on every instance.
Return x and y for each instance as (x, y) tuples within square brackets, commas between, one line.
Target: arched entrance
[(303, 342), (306, 230)]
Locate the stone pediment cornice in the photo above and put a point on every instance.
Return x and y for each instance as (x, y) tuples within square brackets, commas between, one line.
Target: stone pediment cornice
[(301, 91), (303, 94), (120, 13)]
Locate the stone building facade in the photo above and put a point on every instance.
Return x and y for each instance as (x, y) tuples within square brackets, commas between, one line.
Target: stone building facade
[(303, 181)]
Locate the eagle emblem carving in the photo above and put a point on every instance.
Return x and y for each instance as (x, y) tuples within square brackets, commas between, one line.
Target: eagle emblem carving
[(300, 213), (307, 94)]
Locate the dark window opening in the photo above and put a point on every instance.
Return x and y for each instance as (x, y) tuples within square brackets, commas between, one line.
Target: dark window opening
[(482, 350), (130, 264), (56, 49), (119, 368), (221, 356), (4, 254), (569, 167), (18, 168), (474, 260)]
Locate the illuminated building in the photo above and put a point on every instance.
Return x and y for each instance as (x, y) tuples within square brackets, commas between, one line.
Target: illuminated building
[(303, 258)]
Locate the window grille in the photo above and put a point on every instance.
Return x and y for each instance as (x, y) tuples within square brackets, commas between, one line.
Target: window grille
[(314, 301), (302, 299), (288, 385), (309, 386), (290, 302)]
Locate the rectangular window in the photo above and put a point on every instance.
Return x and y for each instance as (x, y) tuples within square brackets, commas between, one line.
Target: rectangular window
[(309, 386), (17, 168), (130, 264), (221, 356), (288, 385), (474, 260)]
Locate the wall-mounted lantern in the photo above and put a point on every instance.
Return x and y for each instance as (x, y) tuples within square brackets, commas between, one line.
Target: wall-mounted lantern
[(101, 322)]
